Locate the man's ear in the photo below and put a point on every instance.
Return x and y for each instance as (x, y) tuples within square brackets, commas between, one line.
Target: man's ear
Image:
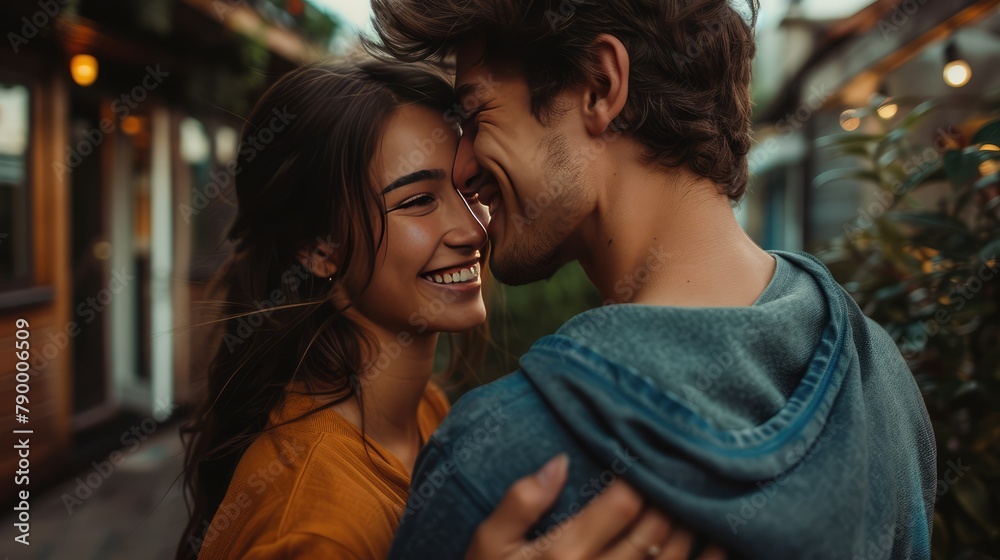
[(605, 93), (320, 257)]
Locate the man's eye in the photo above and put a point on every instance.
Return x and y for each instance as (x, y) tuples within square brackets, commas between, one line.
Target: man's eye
[(469, 122), (419, 200)]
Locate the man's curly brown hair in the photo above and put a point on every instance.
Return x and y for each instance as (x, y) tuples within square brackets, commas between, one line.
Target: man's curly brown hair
[(689, 83)]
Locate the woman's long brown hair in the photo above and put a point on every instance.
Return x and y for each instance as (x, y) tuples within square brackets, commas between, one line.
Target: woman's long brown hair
[(302, 181)]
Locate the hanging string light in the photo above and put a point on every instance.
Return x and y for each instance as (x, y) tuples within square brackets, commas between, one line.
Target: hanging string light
[(887, 106), (850, 120), (957, 71)]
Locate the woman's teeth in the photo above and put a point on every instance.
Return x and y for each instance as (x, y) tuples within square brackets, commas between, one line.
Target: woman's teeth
[(463, 275)]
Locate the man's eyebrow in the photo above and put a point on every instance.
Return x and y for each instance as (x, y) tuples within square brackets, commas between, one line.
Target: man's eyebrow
[(466, 89), (416, 176)]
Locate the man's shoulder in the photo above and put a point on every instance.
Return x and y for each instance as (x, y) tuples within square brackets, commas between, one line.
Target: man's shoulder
[(491, 404)]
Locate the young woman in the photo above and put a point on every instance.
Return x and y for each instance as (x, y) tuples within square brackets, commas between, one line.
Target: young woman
[(353, 251)]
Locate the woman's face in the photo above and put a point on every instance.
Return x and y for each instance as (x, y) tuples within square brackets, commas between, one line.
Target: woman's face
[(427, 270)]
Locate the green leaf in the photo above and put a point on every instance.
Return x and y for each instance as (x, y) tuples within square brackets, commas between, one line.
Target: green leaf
[(973, 496), (988, 134), (975, 309), (960, 167), (843, 139), (931, 220), (983, 155), (890, 291), (990, 250), (927, 173), (858, 150), (920, 111), (957, 368), (845, 174), (987, 181)]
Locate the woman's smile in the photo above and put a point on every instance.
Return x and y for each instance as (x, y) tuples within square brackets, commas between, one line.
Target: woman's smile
[(463, 274)]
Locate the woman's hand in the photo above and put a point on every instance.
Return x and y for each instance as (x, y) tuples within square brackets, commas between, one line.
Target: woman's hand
[(615, 526)]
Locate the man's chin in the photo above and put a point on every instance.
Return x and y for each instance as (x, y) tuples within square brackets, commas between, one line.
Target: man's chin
[(515, 268)]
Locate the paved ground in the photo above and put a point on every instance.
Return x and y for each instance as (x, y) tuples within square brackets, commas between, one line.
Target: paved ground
[(133, 514)]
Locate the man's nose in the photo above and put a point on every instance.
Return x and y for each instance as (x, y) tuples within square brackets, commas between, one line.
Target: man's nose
[(466, 169)]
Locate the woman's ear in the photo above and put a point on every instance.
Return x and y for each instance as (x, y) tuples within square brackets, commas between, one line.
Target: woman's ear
[(320, 258), (606, 92)]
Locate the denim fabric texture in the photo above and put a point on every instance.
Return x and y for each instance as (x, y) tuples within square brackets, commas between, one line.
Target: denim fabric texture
[(791, 428)]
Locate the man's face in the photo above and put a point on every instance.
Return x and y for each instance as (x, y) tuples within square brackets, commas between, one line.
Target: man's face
[(530, 175)]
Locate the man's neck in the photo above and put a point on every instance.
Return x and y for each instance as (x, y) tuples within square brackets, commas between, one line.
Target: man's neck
[(663, 239)]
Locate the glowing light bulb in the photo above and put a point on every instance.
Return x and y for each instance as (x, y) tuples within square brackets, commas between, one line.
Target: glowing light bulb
[(131, 125), (888, 109), (83, 68), (849, 120), (957, 73)]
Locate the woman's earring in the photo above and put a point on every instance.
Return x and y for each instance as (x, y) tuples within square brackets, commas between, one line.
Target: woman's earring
[(330, 279)]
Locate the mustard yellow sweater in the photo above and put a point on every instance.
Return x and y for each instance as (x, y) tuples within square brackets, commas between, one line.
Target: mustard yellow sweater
[(309, 489)]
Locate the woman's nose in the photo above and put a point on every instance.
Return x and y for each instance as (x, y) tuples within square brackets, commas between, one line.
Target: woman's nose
[(466, 228)]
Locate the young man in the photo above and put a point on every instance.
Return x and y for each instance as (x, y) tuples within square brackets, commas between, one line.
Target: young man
[(741, 391)]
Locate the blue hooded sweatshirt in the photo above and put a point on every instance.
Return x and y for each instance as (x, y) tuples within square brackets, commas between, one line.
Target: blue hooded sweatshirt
[(791, 428)]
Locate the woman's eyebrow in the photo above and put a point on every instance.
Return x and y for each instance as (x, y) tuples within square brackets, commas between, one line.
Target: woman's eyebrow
[(416, 176)]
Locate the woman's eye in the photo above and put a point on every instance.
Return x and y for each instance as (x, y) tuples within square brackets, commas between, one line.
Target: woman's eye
[(419, 200)]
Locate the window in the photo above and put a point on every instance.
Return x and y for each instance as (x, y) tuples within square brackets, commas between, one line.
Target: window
[(15, 231)]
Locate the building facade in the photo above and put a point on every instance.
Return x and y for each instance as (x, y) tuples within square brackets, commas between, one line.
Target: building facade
[(117, 123)]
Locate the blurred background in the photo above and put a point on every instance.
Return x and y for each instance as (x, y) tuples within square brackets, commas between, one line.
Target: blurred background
[(877, 148)]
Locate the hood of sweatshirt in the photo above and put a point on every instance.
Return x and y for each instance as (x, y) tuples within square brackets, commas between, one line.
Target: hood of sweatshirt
[(788, 428)]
